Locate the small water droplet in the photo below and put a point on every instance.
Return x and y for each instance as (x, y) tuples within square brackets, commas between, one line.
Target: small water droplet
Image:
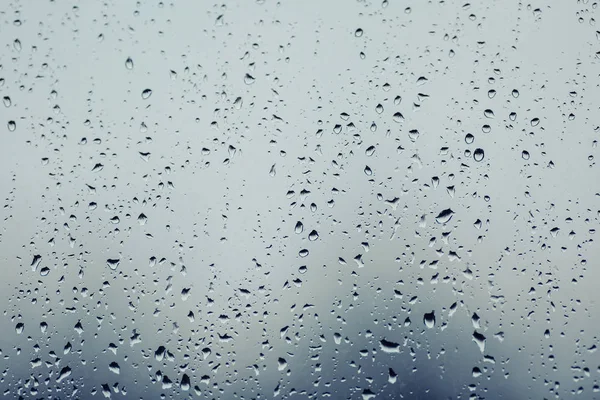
[(525, 155), (313, 235), (129, 63), (12, 125), (469, 138), (299, 227), (146, 94), (358, 32), (248, 79)]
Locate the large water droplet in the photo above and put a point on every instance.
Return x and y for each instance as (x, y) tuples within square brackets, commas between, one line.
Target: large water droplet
[(444, 216), (478, 154), (429, 319)]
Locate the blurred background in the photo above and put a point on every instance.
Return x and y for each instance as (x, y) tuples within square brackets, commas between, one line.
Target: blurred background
[(299, 199)]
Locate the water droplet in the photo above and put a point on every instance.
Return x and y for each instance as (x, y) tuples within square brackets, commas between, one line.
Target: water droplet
[(238, 103), (146, 94), (535, 122), (248, 79), (469, 138), (398, 117), (6, 101), (379, 108), (313, 235), (444, 216), (369, 151), (478, 154), (19, 328), (281, 364), (413, 135), (142, 219), (429, 319), (368, 171), (114, 368), (299, 227), (515, 93), (12, 125), (358, 32), (421, 81), (479, 339), (272, 171), (525, 155), (17, 45), (113, 263), (389, 347), (129, 63), (367, 394), (64, 373), (185, 383)]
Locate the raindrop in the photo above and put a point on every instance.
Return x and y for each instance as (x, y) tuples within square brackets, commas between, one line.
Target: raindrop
[(368, 171), (389, 347), (478, 154), (525, 155), (114, 368), (358, 32), (313, 235), (6, 101), (369, 151), (469, 138), (12, 125), (444, 216), (429, 319), (398, 117), (299, 227), (146, 93), (248, 79), (129, 63), (64, 373), (535, 122), (113, 263), (479, 339)]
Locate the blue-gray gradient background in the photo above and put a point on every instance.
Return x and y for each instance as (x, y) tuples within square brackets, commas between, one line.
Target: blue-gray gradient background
[(278, 193)]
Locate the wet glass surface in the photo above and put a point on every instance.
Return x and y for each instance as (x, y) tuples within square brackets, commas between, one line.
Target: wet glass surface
[(299, 199)]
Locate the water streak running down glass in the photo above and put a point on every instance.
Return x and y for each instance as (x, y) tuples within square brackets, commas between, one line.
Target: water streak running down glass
[(299, 199)]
